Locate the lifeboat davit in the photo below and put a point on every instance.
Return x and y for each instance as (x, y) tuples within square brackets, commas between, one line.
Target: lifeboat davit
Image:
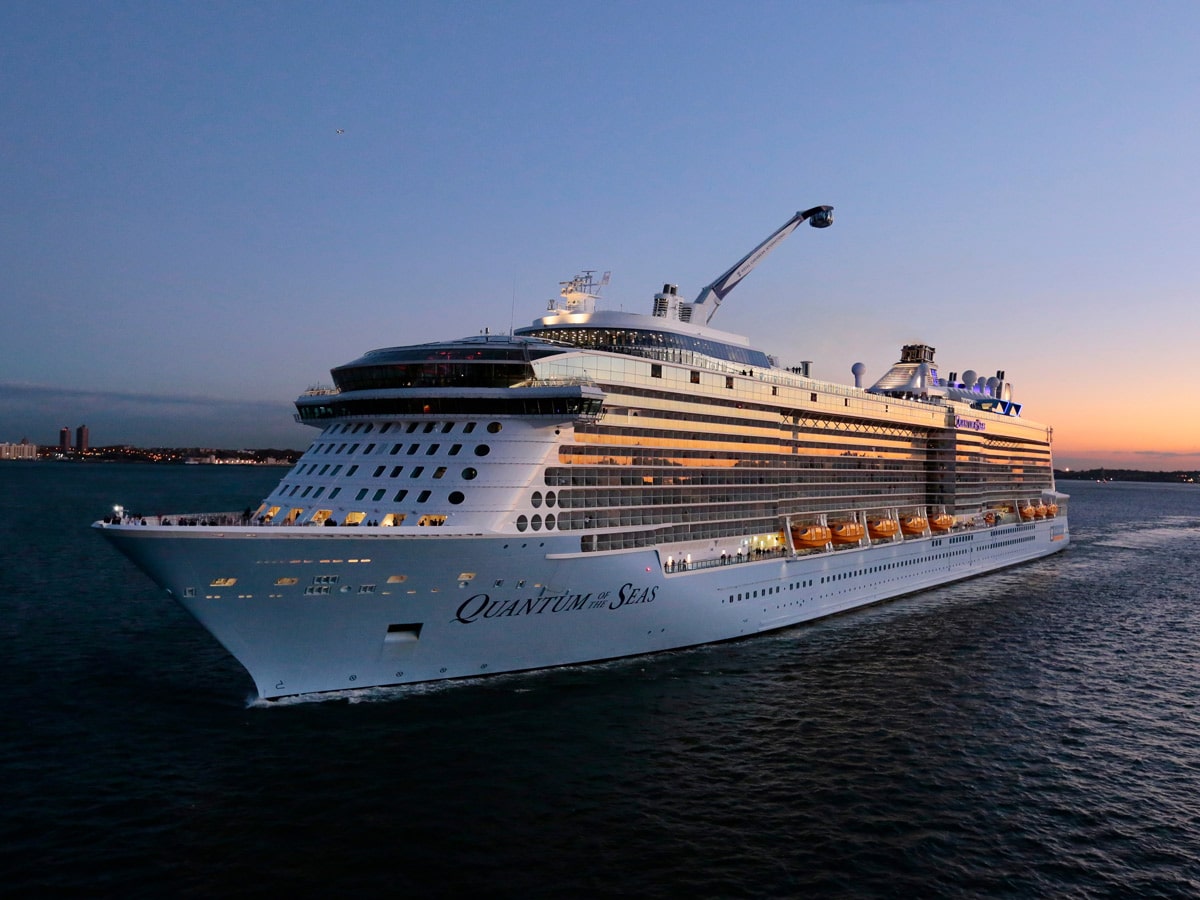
[(810, 536), (913, 525), (882, 528), (848, 532), (942, 522)]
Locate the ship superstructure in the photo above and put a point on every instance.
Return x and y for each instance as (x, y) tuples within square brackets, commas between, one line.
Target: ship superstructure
[(601, 484)]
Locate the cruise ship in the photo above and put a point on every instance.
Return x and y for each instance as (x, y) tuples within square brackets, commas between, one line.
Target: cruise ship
[(597, 485)]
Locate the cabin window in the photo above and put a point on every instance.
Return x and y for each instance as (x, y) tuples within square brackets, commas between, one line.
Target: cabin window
[(695, 377), (655, 370)]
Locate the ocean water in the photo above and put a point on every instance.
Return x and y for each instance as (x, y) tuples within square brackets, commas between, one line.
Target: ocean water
[(1032, 733)]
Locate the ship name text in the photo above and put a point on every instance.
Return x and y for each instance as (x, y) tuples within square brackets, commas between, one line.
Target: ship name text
[(482, 606)]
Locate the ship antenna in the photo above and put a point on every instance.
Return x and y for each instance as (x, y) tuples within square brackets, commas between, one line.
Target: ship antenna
[(512, 310), (713, 294)]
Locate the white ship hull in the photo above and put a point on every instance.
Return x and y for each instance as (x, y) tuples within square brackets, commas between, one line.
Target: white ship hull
[(528, 603)]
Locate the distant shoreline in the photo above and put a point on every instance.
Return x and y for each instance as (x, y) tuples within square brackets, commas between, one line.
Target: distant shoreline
[(203, 456), (1179, 476)]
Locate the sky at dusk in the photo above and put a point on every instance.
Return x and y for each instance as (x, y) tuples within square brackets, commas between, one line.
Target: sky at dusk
[(206, 206)]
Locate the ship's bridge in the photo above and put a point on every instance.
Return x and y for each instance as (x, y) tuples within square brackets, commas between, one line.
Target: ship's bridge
[(481, 361)]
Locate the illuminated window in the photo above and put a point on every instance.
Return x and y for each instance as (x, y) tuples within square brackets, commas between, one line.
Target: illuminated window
[(222, 582)]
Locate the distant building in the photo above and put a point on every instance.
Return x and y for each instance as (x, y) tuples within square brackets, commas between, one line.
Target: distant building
[(64, 439), (81, 439), (23, 450)]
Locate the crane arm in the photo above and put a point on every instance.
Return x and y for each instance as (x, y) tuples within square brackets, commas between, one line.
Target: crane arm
[(713, 294)]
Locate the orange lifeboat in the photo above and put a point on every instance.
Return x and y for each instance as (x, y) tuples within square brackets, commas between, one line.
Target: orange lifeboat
[(1051, 510), (990, 517), (882, 528), (810, 536), (848, 532), (1027, 512), (913, 525), (942, 522)]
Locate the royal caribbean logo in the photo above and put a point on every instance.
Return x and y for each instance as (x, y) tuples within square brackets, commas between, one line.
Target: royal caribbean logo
[(973, 424)]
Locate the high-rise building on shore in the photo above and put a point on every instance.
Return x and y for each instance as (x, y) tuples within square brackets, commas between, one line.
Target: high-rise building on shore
[(64, 439), (23, 450), (81, 439)]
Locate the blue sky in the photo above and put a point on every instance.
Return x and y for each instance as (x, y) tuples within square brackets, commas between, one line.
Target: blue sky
[(187, 241)]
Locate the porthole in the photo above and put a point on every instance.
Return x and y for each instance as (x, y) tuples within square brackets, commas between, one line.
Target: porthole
[(550, 498), (522, 523), (483, 450), (494, 427), (456, 497), (536, 523), (549, 521), (469, 473), (536, 499)]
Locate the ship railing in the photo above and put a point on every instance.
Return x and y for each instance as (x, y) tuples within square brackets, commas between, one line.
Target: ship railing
[(555, 381), (219, 519), (673, 565)]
